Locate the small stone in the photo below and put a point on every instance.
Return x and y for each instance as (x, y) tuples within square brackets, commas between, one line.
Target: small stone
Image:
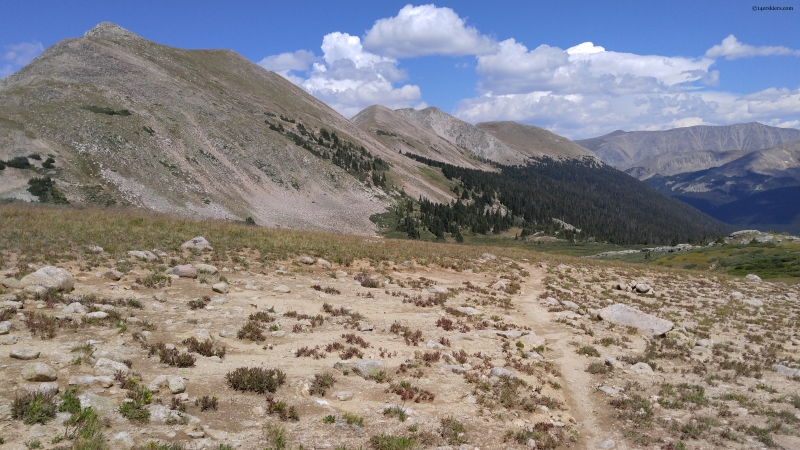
[(88, 380), (177, 385), (160, 297), (608, 390), (39, 372), (605, 445), (108, 367), (323, 263), (142, 255), (510, 334), (206, 269), (221, 288), (363, 325), (642, 288), (753, 302), (35, 291), (451, 368), (95, 249), (434, 345), (279, 333), (282, 288), (113, 275), (364, 367), (550, 301), (343, 396), (570, 305), (75, 308), (197, 243), (5, 327), (123, 438), (99, 315), (24, 354), (185, 271), (9, 340), (642, 369), (11, 283), (468, 310), (752, 277), (307, 260), (47, 387), (502, 373)]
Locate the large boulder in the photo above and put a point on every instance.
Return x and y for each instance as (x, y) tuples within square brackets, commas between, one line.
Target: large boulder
[(625, 315), (39, 372), (185, 271), (49, 277)]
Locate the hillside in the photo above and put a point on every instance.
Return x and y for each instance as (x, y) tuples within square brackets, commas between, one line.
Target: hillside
[(534, 141), (465, 135), (396, 131), (625, 150), (202, 133)]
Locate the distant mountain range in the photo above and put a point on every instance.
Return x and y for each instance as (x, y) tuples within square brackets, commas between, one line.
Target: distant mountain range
[(111, 118), (729, 172)]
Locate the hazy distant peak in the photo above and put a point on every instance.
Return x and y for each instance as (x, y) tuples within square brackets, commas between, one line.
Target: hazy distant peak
[(110, 30)]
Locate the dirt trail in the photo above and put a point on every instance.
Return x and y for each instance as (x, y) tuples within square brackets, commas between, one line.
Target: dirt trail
[(577, 383)]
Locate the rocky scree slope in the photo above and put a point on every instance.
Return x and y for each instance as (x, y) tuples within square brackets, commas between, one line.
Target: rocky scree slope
[(201, 133)]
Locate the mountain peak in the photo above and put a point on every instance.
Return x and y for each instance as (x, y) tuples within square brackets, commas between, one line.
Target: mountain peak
[(110, 30)]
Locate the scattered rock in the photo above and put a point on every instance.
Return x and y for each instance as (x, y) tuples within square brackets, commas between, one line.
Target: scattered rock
[(12, 283), (570, 305), (162, 414), (99, 315), (510, 334), (282, 288), (39, 372), (185, 271), (75, 308), (47, 387), (642, 369), (95, 249), (123, 438), (625, 315), (364, 367), (145, 255), (9, 340), (608, 390), (753, 302), (35, 291), (24, 354), (323, 263), (468, 310), (96, 402), (160, 297), (752, 277), (197, 243), (605, 445), (206, 269), (88, 380), (567, 315), (550, 301), (342, 396), (49, 277), (5, 327), (363, 325), (502, 372), (221, 288), (787, 371), (113, 275), (307, 260), (448, 368), (108, 367), (500, 285)]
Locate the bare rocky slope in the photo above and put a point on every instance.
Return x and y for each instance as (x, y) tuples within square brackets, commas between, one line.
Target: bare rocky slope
[(465, 135), (534, 141), (201, 133), (397, 131), (625, 150)]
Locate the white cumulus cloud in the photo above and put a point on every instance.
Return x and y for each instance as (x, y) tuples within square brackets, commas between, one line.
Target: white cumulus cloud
[(426, 30), (346, 77), (584, 68), (731, 48), (15, 56)]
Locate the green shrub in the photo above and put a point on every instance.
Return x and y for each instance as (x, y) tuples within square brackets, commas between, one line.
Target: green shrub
[(390, 442), (34, 407), (45, 188), (19, 162), (256, 379), (588, 350)]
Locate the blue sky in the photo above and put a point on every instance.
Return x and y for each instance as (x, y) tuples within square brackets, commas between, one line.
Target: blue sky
[(649, 65)]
